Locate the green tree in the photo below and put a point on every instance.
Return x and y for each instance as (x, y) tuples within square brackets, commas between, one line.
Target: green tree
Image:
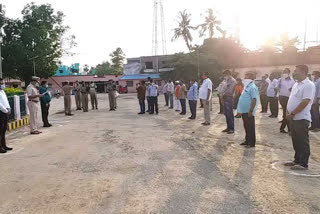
[(210, 24), (184, 28), (287, 44), (104, 68), (37, 38), (117, 59)]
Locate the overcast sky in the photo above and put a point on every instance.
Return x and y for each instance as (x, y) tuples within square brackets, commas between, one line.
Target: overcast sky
[(100, 26)]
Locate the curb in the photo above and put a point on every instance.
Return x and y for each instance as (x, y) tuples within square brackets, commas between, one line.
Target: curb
[(18, 123)]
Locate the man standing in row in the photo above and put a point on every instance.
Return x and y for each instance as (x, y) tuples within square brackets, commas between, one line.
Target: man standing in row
[(33, 104), (182, 97), (5, 111), (171, 93), (45, 103), (67, 90), (285, 85), (178, 104), (141, 90), (111, 92), (84, 96), (315, 124), (247, 106), (205, 93), (192, 98), (77, 96), (263, 94), (153, 93), (298, 113), (227, 97), (166, 93), (93, 96), (272, 94)]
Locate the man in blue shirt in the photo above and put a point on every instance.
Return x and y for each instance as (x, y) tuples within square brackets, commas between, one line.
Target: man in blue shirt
[(45, 103), (247, 106), (153, 96), (192, 97)]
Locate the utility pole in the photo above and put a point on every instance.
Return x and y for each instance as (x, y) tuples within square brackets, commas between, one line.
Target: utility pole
[(305, 35)]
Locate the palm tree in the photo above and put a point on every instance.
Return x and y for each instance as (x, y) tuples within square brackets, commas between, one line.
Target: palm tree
[(211, 23), (184, 28)]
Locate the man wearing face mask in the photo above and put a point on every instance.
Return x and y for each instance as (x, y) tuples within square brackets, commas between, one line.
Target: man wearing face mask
[(5, 111), (205, 94), (298, 113), (227, 97), (272, 93), (45, 103), (285, 85), (315, 124), (33, 104), (263, 94), (247, 106)]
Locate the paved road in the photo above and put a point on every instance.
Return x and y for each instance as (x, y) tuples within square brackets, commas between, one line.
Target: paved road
[(120, 162)]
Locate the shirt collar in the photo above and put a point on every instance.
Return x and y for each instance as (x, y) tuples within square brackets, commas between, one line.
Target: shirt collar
[(305, 80)]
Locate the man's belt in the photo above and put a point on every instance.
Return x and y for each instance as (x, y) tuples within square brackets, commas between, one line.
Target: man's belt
[(34, 101)]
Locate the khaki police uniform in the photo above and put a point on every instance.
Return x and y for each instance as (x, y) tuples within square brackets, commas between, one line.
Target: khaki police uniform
[(84, 97), (78, 96), (112, 97), (93, 96), (33, 105), (67, 90)]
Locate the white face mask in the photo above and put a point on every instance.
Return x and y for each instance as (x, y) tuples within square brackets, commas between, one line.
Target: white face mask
[(312, 78), (246, 82), (285, 76)]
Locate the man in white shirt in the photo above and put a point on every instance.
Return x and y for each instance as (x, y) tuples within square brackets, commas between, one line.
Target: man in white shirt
[(205, 92), (5, 111), (171, 93), (272, 94), (285, 85), (298, 113)]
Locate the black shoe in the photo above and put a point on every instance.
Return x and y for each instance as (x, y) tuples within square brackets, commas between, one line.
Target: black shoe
[(7, 148), (283, 131), (151, 112), (291, 163), (2, 150), (46, 126), (157, 113), (69, 114), (230, 132), (182, 113), (140, 113), (226, 130), (244, 144)]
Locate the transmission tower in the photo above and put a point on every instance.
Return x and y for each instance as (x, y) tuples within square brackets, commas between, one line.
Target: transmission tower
[(157, 45)]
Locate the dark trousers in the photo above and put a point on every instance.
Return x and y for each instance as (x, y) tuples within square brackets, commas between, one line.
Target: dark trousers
[(45, 113), (274, 106), (142, 106), (171, 100), (228, 112), (315, 115), (250, 129), (183, 106), (193, 108), (264, 103), (3, 128), (166, 97), (220, 104), (300, 140), (154, 105), (284, 102), (149, 104), (235, 102)]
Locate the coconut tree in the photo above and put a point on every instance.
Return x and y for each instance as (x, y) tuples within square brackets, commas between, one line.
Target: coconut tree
[(210, 24), (184, 28)]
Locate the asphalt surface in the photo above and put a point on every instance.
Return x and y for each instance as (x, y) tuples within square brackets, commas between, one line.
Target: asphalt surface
[(121, 162)]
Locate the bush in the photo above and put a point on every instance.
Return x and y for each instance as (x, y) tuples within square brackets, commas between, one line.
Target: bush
[(13, 91)]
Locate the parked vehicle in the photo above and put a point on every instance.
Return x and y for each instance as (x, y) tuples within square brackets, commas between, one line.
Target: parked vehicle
[(123, 89)]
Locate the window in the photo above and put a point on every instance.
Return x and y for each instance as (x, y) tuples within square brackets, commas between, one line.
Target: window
[(129, 83), (149, 65), (61, 71), (158, 82)]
